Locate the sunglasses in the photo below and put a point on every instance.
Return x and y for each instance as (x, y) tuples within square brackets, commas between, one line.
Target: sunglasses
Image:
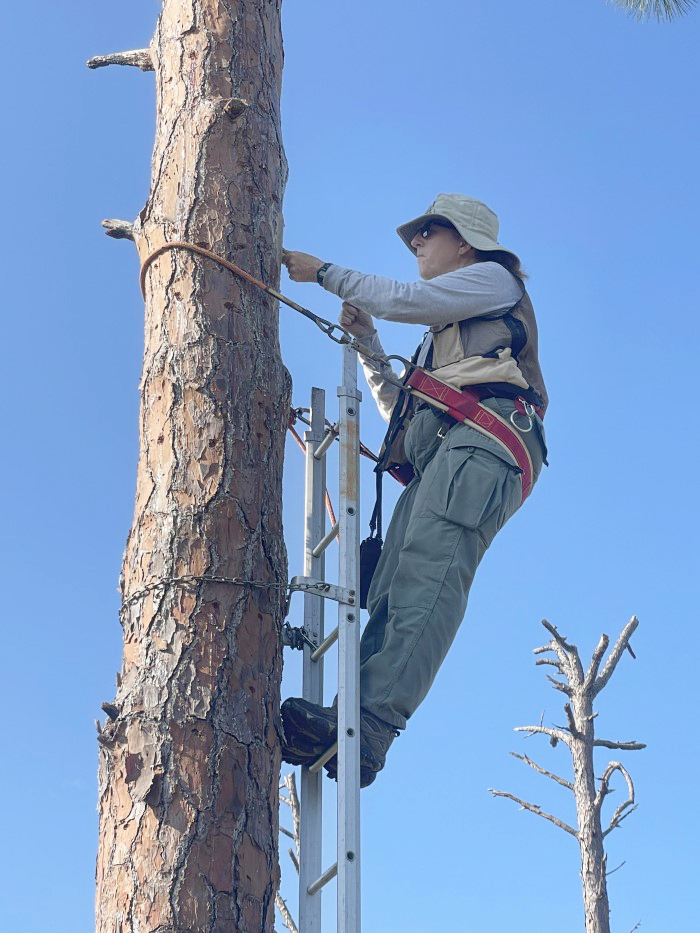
[(426, 229)]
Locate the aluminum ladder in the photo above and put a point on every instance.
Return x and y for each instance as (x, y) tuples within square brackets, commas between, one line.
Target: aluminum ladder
[(312, 876)]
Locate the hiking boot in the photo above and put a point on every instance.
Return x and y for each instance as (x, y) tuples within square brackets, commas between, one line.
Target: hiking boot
[(297, 750), (376, 736), (309, 722), (310, 729)]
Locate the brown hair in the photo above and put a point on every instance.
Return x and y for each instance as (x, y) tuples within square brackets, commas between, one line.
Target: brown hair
[(507, 260)]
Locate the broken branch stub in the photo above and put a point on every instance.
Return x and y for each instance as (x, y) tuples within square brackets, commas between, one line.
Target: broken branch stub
[(138, 58)]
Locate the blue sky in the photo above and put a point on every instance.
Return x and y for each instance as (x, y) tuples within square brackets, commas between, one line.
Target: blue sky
[(579, 127)]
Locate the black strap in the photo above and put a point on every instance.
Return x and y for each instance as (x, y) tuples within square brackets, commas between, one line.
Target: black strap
[(375, 522), (518, 334), (400, 411)]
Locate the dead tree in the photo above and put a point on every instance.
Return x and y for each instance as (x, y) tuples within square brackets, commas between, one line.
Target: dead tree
[(581, 688), (189, 754)]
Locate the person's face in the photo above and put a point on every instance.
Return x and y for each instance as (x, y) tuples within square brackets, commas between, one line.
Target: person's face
[(439, 249)]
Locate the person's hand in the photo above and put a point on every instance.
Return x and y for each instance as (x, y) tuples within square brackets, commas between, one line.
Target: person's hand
[(301, 266), (358, 323)]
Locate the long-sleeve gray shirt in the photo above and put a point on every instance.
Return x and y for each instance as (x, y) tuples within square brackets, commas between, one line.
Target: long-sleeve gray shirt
[(479, 290)]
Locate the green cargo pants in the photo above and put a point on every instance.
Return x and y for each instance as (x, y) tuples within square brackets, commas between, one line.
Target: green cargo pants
[(463, 492)]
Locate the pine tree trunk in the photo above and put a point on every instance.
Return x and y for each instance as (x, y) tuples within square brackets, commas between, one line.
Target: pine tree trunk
[(189, 766)]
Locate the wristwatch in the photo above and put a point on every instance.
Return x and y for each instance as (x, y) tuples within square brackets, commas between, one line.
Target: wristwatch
[(322, 271)]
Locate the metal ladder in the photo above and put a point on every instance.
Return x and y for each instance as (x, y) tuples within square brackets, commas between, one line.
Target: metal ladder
[(312, 877)]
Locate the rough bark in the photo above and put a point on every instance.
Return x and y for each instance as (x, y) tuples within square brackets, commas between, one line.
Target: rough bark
[(189, 765)]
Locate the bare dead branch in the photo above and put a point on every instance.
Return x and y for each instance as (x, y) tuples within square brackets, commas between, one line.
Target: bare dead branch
[(139, 58), (567, 653), (287, 832), (625, 746), (613, 870), (605, 789), (284, 911), (625, 808), (620, 818), (119, 229), (615, 655), (557, 684), (558, 734), (570, 719), (536, 767), (597, 657), (551, 661), (534, 808), (291, 783), (295, 860)]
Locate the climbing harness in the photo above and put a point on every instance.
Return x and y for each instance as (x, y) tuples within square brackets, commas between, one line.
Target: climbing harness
[(465, 405)]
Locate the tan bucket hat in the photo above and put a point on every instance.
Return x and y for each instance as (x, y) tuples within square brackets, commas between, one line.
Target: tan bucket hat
[(476, 223)]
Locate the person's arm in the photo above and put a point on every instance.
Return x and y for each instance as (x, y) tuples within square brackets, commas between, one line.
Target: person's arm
[(478, 290), (385, 393), (361, 325)]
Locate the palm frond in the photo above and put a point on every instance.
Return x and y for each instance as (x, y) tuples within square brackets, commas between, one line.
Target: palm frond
[(656, 9)]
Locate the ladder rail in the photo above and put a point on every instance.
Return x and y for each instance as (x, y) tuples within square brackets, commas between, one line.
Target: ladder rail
[(348, 653), (311, 824), (316, 590)]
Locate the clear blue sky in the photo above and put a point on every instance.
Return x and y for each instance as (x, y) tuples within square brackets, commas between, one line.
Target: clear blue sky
[(580, 127)]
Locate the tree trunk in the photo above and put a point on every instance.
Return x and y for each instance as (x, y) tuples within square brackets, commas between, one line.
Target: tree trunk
[(590, 833), (189, 761)]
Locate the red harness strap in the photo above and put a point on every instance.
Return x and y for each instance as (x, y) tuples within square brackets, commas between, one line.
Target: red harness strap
[(465, 406)]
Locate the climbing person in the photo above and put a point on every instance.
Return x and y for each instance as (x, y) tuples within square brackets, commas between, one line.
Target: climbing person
[(466, 482)]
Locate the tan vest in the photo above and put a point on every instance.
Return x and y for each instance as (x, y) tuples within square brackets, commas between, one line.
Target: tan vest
[(477, 351)]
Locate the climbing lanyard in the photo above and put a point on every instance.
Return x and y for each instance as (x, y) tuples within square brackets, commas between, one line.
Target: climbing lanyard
[(462, 406), (328, 328)]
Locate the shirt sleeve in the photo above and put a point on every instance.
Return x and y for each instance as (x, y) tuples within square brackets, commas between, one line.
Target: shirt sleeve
[(385, 393), (479, 290)]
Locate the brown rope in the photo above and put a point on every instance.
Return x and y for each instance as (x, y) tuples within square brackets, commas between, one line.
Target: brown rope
[(209, 254)]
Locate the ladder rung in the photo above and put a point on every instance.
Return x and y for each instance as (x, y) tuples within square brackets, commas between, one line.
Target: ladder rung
[(325, 645), (325, 444), (326, 756), (328, 875), (325, 541)]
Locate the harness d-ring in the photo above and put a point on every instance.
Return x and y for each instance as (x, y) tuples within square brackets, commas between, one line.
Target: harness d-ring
[(528, 412)]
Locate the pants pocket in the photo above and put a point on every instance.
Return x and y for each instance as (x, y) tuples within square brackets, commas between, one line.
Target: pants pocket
[(480, 494)]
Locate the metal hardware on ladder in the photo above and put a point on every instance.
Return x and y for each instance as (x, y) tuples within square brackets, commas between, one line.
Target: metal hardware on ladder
[(325, 645), (326, 540), (331, 434), (309, 585)]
